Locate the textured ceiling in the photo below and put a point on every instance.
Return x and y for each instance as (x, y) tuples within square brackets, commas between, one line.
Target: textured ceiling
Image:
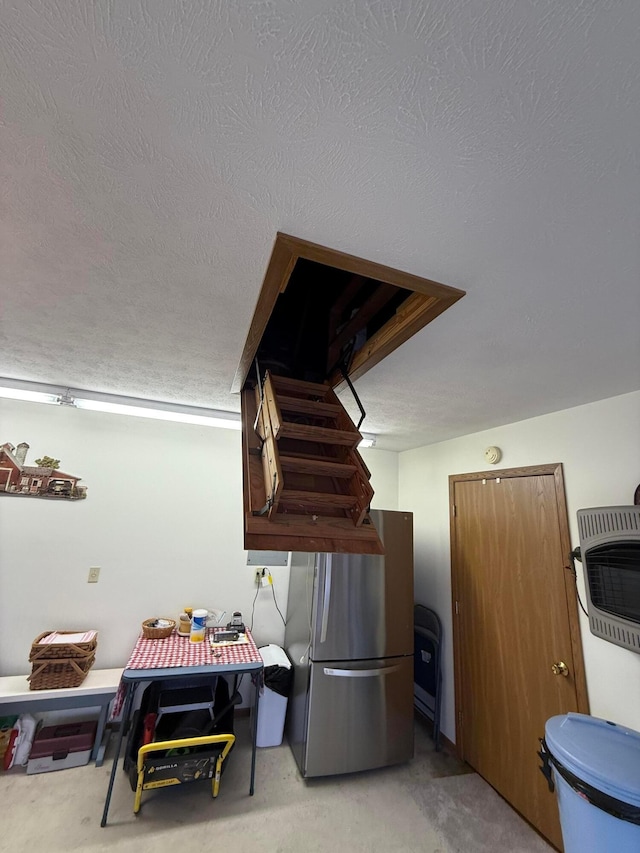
[(150, 151)]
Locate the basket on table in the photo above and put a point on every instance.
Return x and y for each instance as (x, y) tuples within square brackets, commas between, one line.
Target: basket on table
[(154, 632), (56, 665)]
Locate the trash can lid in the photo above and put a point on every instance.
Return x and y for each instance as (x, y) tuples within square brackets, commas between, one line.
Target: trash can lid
[(274, 656), (601, 753)]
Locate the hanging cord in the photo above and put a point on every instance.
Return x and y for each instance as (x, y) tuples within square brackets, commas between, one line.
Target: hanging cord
[(273, 590), (253, 607), (266, 574), (575, 555)]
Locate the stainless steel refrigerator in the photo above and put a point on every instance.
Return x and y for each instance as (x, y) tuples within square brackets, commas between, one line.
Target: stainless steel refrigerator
[(349, 634)]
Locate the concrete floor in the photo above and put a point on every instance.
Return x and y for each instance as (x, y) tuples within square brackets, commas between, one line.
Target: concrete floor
[(433, 804)]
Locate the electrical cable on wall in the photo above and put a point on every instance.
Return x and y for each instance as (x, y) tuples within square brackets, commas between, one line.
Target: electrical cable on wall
[(265, 574), (273, 590), (253, 606), (575, 554)]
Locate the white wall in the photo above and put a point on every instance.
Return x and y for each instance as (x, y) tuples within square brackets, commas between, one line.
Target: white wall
[(599, 447), (163, 520), (383, 465)]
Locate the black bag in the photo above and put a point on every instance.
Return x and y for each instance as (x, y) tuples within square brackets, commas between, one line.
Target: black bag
[(279, 679)]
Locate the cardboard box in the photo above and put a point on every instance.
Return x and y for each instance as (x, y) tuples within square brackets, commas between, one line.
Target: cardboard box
[(60, 747)]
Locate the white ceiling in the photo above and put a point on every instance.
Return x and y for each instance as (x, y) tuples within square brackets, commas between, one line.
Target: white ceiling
[(150, 151)]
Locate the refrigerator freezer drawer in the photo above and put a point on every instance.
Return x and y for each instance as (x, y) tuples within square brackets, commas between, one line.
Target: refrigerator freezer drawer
[(360, 716)]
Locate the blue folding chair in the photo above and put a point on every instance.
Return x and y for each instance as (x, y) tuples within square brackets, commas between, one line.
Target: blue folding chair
[(427, 674)]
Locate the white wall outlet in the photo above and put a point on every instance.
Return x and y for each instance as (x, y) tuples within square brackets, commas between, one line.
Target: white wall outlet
[(94, 574), (258, 576)]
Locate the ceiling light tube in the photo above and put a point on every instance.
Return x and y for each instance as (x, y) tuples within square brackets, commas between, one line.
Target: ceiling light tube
[(161, 412), (27, 396), (368, 440), (116, 404)]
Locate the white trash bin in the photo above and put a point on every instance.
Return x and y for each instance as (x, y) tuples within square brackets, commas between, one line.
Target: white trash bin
[(272, 707)]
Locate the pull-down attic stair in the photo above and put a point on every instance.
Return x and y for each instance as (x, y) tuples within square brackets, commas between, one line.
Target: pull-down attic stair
[(323, 318), (307, 483)]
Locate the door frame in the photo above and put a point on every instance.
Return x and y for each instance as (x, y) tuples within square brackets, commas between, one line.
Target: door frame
[(579, 674)]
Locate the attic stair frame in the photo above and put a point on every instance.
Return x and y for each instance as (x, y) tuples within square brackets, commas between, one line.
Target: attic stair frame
[(323, 319), (306, 486)]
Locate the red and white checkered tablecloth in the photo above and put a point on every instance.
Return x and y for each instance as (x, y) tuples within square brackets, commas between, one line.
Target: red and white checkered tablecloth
[(177, 651)]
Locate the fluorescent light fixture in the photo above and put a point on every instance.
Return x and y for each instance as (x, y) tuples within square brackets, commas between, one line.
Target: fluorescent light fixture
[(368, 440), (115, 404), (28, 396), (160, 411)]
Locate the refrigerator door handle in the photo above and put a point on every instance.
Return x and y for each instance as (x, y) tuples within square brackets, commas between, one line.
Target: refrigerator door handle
[(326, 598), (360, 673)]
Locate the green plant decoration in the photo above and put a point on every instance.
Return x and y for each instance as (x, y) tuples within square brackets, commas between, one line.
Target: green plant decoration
[(48, 462)]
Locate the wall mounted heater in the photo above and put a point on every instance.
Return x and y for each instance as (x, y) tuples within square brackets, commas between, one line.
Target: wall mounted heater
[(610, 554)]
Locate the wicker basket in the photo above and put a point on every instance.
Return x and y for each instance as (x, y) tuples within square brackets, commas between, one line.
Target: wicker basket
[(60, 672), (61, 650), (153, 633)]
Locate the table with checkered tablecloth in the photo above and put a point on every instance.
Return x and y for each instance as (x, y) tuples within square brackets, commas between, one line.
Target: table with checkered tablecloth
[(177, 657), (176, 651)]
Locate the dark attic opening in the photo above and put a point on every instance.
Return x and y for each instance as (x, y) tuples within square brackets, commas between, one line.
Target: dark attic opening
[(323, 318)]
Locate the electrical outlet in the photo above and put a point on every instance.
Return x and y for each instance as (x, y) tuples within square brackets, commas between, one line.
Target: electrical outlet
[(94, 574), (259, 576)]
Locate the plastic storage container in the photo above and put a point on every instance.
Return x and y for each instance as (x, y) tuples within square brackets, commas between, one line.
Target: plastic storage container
[(595, 768), (59, 747), (272, 708)]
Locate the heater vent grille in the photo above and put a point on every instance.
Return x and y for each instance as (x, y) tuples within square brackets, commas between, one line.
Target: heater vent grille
[(610, 548), (607, 520), (606, 629)]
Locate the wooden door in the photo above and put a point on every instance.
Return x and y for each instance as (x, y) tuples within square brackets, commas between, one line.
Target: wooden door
[(516, 616)]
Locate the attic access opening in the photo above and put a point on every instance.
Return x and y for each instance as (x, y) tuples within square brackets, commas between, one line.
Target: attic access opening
[(319, 308), (323, 318)]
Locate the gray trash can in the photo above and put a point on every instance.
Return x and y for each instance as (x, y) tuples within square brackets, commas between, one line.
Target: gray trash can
[(594, 767), (272, 708)]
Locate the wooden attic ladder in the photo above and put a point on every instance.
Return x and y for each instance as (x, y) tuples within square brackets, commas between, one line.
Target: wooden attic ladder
[(306, 485)]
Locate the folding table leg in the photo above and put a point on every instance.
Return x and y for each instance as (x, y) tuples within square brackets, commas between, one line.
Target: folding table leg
[(255, 678), (126, 710)]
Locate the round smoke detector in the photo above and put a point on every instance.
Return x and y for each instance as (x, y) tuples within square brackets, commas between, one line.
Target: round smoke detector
[(493, 455)]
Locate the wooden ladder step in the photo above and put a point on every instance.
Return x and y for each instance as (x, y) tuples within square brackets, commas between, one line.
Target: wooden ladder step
[(299, 386), (308, 407), (318, 467), (304, 432), (294, 452), (313, 500)]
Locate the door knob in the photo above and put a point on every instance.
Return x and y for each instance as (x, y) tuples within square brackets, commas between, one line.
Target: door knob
[(560, 668)]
